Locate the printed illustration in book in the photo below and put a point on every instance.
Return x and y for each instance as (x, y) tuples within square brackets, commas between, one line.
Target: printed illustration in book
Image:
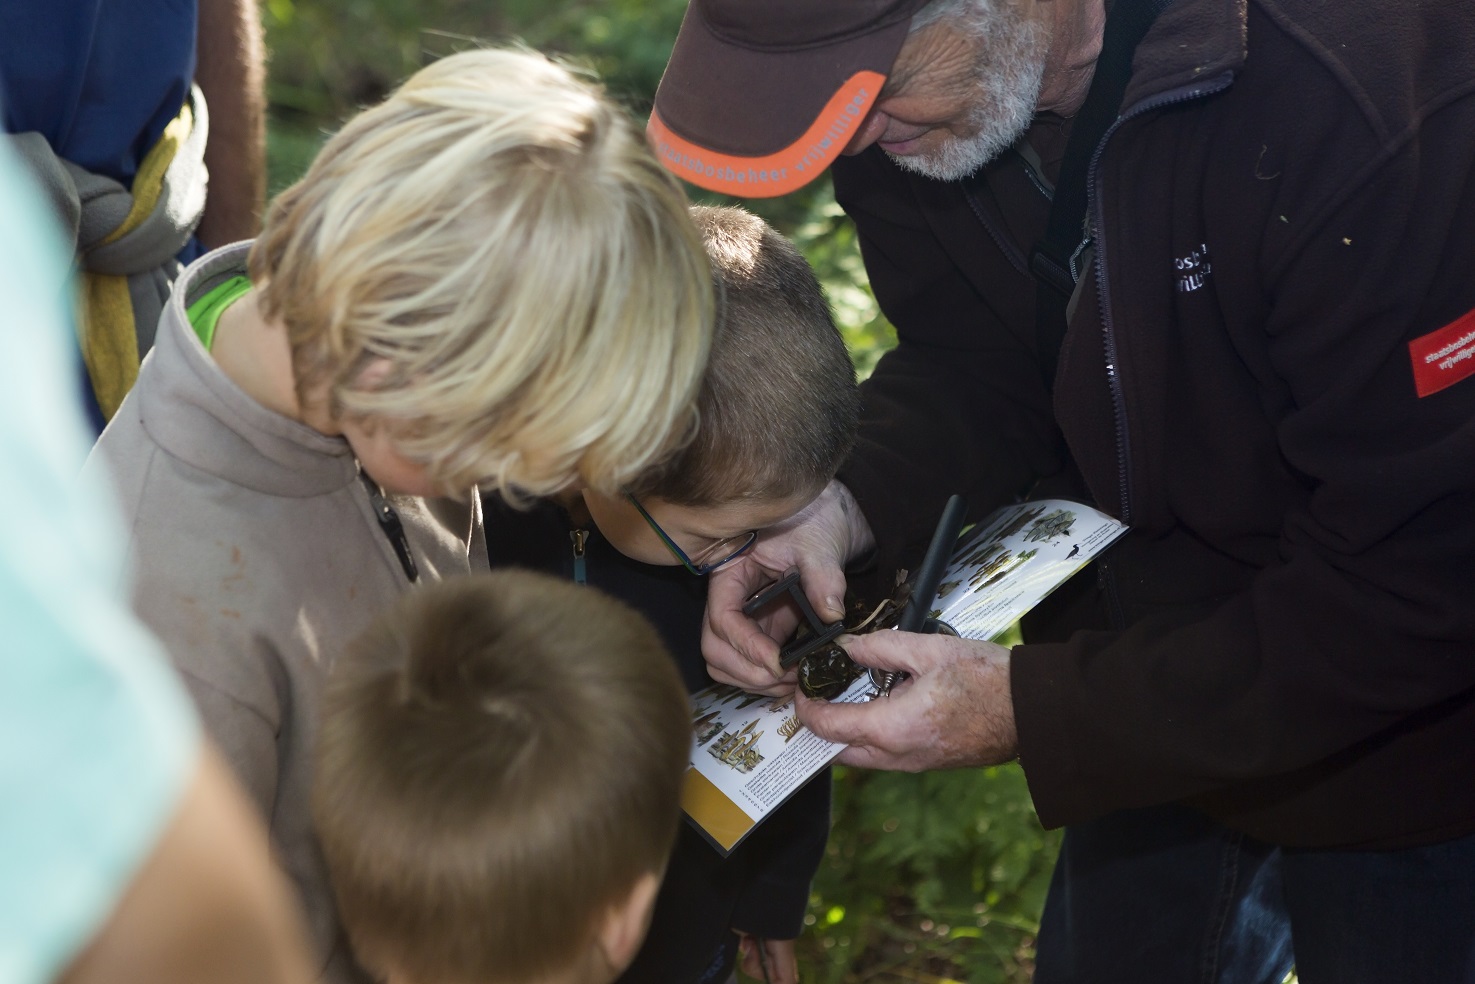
[(1007, 564), (749, 751)]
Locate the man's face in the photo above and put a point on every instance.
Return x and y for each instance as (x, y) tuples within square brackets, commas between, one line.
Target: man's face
[(959, 94)]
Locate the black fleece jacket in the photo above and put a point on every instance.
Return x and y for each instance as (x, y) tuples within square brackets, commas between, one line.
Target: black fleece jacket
[(1284, 219)]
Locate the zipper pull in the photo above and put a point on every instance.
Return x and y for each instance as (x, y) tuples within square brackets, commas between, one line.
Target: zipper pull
[(579, 538), (390, 523)]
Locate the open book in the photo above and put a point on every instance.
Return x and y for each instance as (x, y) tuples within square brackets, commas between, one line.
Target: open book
[(750, 753)]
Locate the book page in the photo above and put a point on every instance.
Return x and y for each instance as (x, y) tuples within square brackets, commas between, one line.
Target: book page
[(1008, 563), (749, 755)]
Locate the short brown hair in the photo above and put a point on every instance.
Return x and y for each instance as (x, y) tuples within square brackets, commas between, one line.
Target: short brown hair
[(779, 402), (499, 762)]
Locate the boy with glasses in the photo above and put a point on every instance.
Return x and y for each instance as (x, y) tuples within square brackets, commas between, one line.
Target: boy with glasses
[(778, 407)]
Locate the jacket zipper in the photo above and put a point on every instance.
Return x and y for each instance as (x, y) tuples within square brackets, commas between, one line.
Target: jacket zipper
[(579, 538), (394, 530), (1006, 245), (1108, 330), (1011, 252)]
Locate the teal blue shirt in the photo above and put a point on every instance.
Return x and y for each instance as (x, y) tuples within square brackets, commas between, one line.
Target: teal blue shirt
[(97, 738)]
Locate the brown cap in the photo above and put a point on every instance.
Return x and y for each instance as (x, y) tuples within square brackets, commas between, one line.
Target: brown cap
[(761, 95)]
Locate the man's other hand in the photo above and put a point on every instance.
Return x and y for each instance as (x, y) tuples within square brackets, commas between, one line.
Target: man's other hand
[(954, 710)]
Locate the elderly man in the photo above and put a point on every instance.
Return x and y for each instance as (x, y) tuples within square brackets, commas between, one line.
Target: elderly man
[(1258, 721)]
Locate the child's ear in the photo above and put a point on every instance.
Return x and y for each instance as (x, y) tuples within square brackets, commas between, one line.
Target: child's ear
[(373, 374), (624, 926)]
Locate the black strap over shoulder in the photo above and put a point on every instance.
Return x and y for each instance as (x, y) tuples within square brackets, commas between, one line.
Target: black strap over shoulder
[(1053, 260)]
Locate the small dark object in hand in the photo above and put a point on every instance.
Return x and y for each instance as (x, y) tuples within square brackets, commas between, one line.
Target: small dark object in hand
[(813, 632), (824, 673), (825, 668)]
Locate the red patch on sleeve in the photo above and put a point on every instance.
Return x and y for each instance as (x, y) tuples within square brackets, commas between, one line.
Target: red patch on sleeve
[(1444, 357)]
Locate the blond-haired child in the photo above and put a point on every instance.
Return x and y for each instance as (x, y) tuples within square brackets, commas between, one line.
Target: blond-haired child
[(498, 781), (485, 279)]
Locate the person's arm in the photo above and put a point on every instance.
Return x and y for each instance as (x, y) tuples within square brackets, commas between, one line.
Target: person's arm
[(245, 735), (230, 69), (129, 854), (962, 403), (208, 904)]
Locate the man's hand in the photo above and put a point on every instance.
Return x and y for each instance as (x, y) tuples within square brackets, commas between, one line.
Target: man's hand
[(818, 540), (778, 955), (954, 711)]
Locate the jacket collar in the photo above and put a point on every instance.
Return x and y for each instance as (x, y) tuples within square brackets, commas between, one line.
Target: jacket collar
[(198, 415), (1190, 42)]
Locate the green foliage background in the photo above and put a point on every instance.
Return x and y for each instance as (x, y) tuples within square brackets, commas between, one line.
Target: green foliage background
[(930, 878)]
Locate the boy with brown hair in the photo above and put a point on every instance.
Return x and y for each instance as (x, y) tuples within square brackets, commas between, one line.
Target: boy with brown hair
[(498, 782), (778, 407)]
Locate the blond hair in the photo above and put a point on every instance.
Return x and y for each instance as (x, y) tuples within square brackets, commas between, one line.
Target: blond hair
[(778, 403), (499, 761), (499, 232)]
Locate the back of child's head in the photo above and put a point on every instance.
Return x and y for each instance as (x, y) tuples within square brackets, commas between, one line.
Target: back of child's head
[(779, 402), (499, 762), (500, 232)]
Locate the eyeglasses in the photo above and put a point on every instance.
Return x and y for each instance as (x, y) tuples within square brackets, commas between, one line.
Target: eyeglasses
[(708, 559)]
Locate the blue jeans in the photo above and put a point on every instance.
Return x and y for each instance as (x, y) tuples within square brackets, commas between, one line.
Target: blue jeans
[(1165, 895)]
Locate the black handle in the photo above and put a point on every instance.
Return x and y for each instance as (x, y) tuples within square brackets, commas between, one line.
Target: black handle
[(929, 575)]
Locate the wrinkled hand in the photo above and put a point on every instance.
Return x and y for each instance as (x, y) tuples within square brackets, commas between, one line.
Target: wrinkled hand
[(955, 710), (818, 540), (783, 964)]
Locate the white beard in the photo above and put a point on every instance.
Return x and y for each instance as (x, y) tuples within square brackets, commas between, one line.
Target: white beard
[(1009, 69)]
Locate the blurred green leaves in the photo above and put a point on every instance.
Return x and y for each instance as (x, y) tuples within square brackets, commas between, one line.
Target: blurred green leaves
[(939, 876)]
